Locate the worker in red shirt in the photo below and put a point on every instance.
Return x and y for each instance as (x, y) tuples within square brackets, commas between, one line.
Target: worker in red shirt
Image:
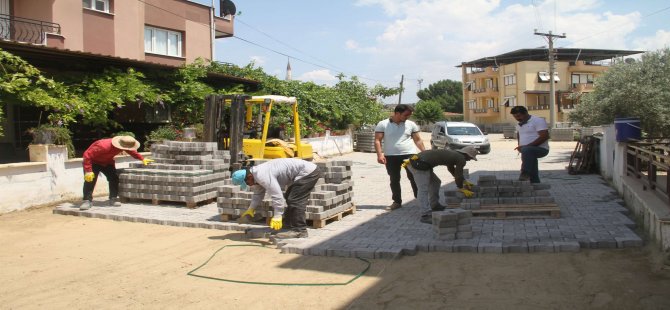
[(99, 157)]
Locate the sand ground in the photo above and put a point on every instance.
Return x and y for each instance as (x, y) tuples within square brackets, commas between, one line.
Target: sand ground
[(56, 262)]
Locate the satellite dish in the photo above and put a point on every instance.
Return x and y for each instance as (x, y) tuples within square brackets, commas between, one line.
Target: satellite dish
[(227, 8)]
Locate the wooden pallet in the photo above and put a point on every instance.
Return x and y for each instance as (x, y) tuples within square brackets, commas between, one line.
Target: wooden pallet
[(190, 205), (335, 217), (521, 211)]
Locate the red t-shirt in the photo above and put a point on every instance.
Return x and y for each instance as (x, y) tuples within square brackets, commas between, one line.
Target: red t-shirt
[(102, 152)]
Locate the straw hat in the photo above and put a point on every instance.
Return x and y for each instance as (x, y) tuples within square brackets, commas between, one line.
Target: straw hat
[(470, 151), (126, 143)]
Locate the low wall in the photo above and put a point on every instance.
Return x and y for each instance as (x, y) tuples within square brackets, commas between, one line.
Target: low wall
[(649, 210), (57, 179), (331, 145)]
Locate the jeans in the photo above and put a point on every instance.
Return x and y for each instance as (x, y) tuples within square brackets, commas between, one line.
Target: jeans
[(393, 167), (112, 178), (529, 156), (428, 184), (296, 196)]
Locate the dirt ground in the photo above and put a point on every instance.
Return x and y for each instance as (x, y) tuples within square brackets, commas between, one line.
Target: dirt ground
[(54, 261)]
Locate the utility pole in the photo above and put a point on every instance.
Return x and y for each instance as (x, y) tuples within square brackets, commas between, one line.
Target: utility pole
[(420, 81), (402, 78), (552, 89)]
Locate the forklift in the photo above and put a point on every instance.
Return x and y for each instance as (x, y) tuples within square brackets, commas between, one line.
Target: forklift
[(240, 123)]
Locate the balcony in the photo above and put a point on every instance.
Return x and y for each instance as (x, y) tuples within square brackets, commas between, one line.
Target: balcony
[(487, 72), (486, 92), (582, 66), (486, 112), (582, 87), (223, 27), (537, 107), (26, 30)]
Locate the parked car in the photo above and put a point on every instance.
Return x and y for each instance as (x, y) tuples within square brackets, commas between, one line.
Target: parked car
[(456, 135)]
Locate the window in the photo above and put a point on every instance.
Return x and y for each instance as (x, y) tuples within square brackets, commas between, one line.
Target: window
[(582, 78), (470, 85), (510, 79), (489, 103), (509, 101), (97, 5), (472, 104), (543, 77), (161, 41), (489, 83)]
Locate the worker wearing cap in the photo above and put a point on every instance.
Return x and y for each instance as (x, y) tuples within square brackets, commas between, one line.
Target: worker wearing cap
[(99, 157), (296, 175), (427, 182)]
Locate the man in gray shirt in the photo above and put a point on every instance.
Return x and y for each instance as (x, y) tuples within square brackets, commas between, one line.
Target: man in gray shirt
[(421, 166), (297, 175)]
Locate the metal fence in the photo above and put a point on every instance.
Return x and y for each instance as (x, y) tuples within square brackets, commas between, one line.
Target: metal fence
[(649, 162), (25, 29)]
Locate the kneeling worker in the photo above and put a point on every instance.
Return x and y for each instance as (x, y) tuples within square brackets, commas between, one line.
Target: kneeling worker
[(427, 182), (299, 175)]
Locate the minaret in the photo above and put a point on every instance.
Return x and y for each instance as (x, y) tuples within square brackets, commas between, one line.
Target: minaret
[(288, 70)]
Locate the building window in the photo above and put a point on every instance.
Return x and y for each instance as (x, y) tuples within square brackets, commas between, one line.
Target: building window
[(489, 103), (509, 101), (510, 79), (161, 41), (469, 85), (582, 78), (97, 5), (489, 83), (472, 104), (543, 77)]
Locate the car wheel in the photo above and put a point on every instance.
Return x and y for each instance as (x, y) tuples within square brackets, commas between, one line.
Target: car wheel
[(484, 152)]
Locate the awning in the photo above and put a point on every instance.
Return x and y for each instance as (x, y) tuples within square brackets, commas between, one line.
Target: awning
[(543, 76), (536, 92)]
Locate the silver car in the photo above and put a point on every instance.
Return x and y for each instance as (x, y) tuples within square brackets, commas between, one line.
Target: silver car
[(456, 135)]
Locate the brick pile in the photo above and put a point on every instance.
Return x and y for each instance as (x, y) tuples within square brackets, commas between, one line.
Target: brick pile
[(188, 172), (492, 191), (452, 224), (331, 196)]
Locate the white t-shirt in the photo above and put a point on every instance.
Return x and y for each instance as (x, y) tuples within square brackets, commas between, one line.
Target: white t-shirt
[(529, 131), (398, 137)]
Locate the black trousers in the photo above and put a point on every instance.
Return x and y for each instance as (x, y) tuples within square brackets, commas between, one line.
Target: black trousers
[(296, 196), (112, 178), (393, 167)]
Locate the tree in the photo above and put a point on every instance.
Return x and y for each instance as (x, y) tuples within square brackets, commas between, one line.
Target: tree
[(428, 111), (631, 89), (448, 93)]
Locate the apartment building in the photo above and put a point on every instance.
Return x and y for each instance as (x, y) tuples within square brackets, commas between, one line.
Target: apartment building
[(495, 84), (81, 36)]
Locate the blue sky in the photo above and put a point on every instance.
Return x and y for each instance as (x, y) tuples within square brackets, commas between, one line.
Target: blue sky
[(381, 40)]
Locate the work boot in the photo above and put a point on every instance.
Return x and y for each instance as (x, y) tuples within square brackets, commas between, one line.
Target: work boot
[(394, 206), (437, 207), (292, 234), (113, 202), (87, 204), (524, 177), (427, 218)]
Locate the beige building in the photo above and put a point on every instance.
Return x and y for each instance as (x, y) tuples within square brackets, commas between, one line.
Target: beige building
[(495, 84)]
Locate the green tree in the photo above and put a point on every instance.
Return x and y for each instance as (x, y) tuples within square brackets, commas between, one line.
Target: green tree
[(428, 111), (635, 89), (448, 93)]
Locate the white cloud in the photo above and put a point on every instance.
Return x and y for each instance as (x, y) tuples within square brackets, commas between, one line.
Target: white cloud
[(661, 39), (258, 60), (351, 45), (318, 76)]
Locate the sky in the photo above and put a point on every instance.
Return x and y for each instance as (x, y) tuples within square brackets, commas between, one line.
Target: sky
[(382, 41)]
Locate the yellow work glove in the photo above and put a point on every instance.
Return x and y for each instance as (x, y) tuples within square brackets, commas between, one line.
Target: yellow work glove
[(147, 161), (89, 176), (276, 222), (467, 184), (246, 216), (405, 163), (466, 192)]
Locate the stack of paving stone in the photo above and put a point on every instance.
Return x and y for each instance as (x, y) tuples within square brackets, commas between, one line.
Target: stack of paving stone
[(188, 172), (330, 198), (452, 224), (491, 192), (365, 141)]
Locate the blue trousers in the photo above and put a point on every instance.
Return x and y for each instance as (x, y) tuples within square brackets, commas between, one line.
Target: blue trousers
[(529, 156)]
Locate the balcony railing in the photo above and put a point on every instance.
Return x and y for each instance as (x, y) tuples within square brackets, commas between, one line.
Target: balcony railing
[(25, 29)]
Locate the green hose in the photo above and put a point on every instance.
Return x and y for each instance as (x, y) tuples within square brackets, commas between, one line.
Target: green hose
[(192, 272)]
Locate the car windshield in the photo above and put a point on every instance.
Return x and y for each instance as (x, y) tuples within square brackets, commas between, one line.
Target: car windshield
[(463, 131)]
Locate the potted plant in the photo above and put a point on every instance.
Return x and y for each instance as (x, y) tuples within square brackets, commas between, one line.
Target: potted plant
[(45, 135)]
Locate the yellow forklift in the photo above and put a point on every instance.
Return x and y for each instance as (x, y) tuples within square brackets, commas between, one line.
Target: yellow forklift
[(250, 119)]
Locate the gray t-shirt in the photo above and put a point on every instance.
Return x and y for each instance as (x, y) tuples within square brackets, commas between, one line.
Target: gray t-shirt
[(398, 137), (274, 175)]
